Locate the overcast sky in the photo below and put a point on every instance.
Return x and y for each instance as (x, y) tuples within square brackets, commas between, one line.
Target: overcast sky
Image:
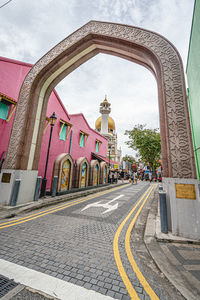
[(31, 28)]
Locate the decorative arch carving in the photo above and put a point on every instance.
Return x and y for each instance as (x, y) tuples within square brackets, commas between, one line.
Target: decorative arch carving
[(94, 174), (58, 170), (79, 167), (138, 45)]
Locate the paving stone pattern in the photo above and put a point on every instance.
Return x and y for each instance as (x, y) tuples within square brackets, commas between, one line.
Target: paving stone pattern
[(186, 259), (76, 245), (27, 294)]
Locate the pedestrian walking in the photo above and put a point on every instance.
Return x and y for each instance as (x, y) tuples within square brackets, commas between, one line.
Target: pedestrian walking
[(132, 179), (115, 177), (150, 176), (142, 176), (135, 178)]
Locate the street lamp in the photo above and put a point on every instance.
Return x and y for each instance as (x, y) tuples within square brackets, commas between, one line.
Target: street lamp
[(44, 180), (109, 161)]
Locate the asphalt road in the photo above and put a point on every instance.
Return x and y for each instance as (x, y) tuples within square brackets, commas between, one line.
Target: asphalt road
[(90, 242)]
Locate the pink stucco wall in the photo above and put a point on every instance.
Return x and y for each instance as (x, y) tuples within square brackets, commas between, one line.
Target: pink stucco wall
[(12, 74)]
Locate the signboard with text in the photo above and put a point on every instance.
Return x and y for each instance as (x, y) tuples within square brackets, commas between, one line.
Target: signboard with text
[(185, 191)]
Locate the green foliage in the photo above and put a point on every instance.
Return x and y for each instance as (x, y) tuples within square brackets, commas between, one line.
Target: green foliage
[(146, 142), (129, 158)]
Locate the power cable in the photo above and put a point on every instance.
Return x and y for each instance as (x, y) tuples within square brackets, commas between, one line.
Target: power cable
[(5, 3)]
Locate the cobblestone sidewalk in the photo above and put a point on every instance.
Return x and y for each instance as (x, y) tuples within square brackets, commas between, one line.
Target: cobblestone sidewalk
[(180, 262)]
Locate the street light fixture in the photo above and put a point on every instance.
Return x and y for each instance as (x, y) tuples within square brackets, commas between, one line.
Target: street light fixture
[(44, 180)]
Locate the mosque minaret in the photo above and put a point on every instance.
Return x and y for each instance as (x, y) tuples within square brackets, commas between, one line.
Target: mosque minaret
[(105, 110), (106, 126)]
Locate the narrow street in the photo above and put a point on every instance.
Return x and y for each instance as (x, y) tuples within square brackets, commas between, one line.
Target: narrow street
[(88, 242)]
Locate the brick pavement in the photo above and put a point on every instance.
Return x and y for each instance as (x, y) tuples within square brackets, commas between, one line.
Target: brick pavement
[(76, 245), (179, 261), (186, 259)]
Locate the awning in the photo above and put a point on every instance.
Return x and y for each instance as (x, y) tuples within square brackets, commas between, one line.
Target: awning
[(106, 159)]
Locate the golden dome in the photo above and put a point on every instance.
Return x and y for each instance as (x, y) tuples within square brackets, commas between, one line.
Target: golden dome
[(111, 123), (105, 100)]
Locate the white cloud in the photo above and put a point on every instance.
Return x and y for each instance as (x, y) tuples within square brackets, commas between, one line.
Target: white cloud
[(31, 28)]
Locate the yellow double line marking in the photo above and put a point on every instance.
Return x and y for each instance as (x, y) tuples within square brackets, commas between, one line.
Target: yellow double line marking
[(52, 210), (135, 268)]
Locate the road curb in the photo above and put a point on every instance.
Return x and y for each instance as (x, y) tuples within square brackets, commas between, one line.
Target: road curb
[(156, 253)]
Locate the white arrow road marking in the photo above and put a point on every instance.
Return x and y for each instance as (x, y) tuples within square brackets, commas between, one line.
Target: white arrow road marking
[(110, 208), (104, 205)]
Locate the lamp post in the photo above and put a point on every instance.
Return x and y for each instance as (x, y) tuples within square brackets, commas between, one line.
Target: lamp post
[(109, 162), (44, 180)]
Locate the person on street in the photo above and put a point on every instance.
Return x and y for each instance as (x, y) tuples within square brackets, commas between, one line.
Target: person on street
[(132, 179), (113, 178), (142, 176), (150, 176), (135, 178)]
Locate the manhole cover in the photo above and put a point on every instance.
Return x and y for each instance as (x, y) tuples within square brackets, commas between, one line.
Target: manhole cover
[(6, 285)]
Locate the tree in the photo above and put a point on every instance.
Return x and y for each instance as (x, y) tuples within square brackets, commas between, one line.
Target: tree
[(130, 162), (129, 158), (147, 142)]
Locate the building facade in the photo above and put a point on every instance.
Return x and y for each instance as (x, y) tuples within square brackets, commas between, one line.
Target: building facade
[(106, 126), (71, 134), (193, 78)]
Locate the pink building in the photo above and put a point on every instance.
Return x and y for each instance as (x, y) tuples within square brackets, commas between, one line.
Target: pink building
[(71, 133)]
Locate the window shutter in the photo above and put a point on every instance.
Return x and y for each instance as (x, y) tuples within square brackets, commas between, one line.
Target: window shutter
[(97, 146), (63, 132), (82, 140), (4, 109)]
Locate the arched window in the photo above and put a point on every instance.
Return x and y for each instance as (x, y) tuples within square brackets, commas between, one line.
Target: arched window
[(96, 174), (105, 175), (84, 175), (65, 175)]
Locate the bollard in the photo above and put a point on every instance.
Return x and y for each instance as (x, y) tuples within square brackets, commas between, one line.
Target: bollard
[(37, 188), (15, 192), (163, 212), (54, 186)]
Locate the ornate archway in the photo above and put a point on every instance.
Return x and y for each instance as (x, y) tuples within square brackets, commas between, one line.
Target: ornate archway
[(135, 44), (138, 45)]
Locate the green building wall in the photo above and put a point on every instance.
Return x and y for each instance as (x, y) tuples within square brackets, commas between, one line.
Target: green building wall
[(193, 78)]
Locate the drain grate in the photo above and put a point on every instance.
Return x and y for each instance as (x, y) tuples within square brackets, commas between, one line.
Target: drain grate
[(6, 285)]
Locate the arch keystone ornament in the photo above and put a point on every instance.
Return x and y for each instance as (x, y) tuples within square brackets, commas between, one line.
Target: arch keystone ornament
[(138, 45)]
